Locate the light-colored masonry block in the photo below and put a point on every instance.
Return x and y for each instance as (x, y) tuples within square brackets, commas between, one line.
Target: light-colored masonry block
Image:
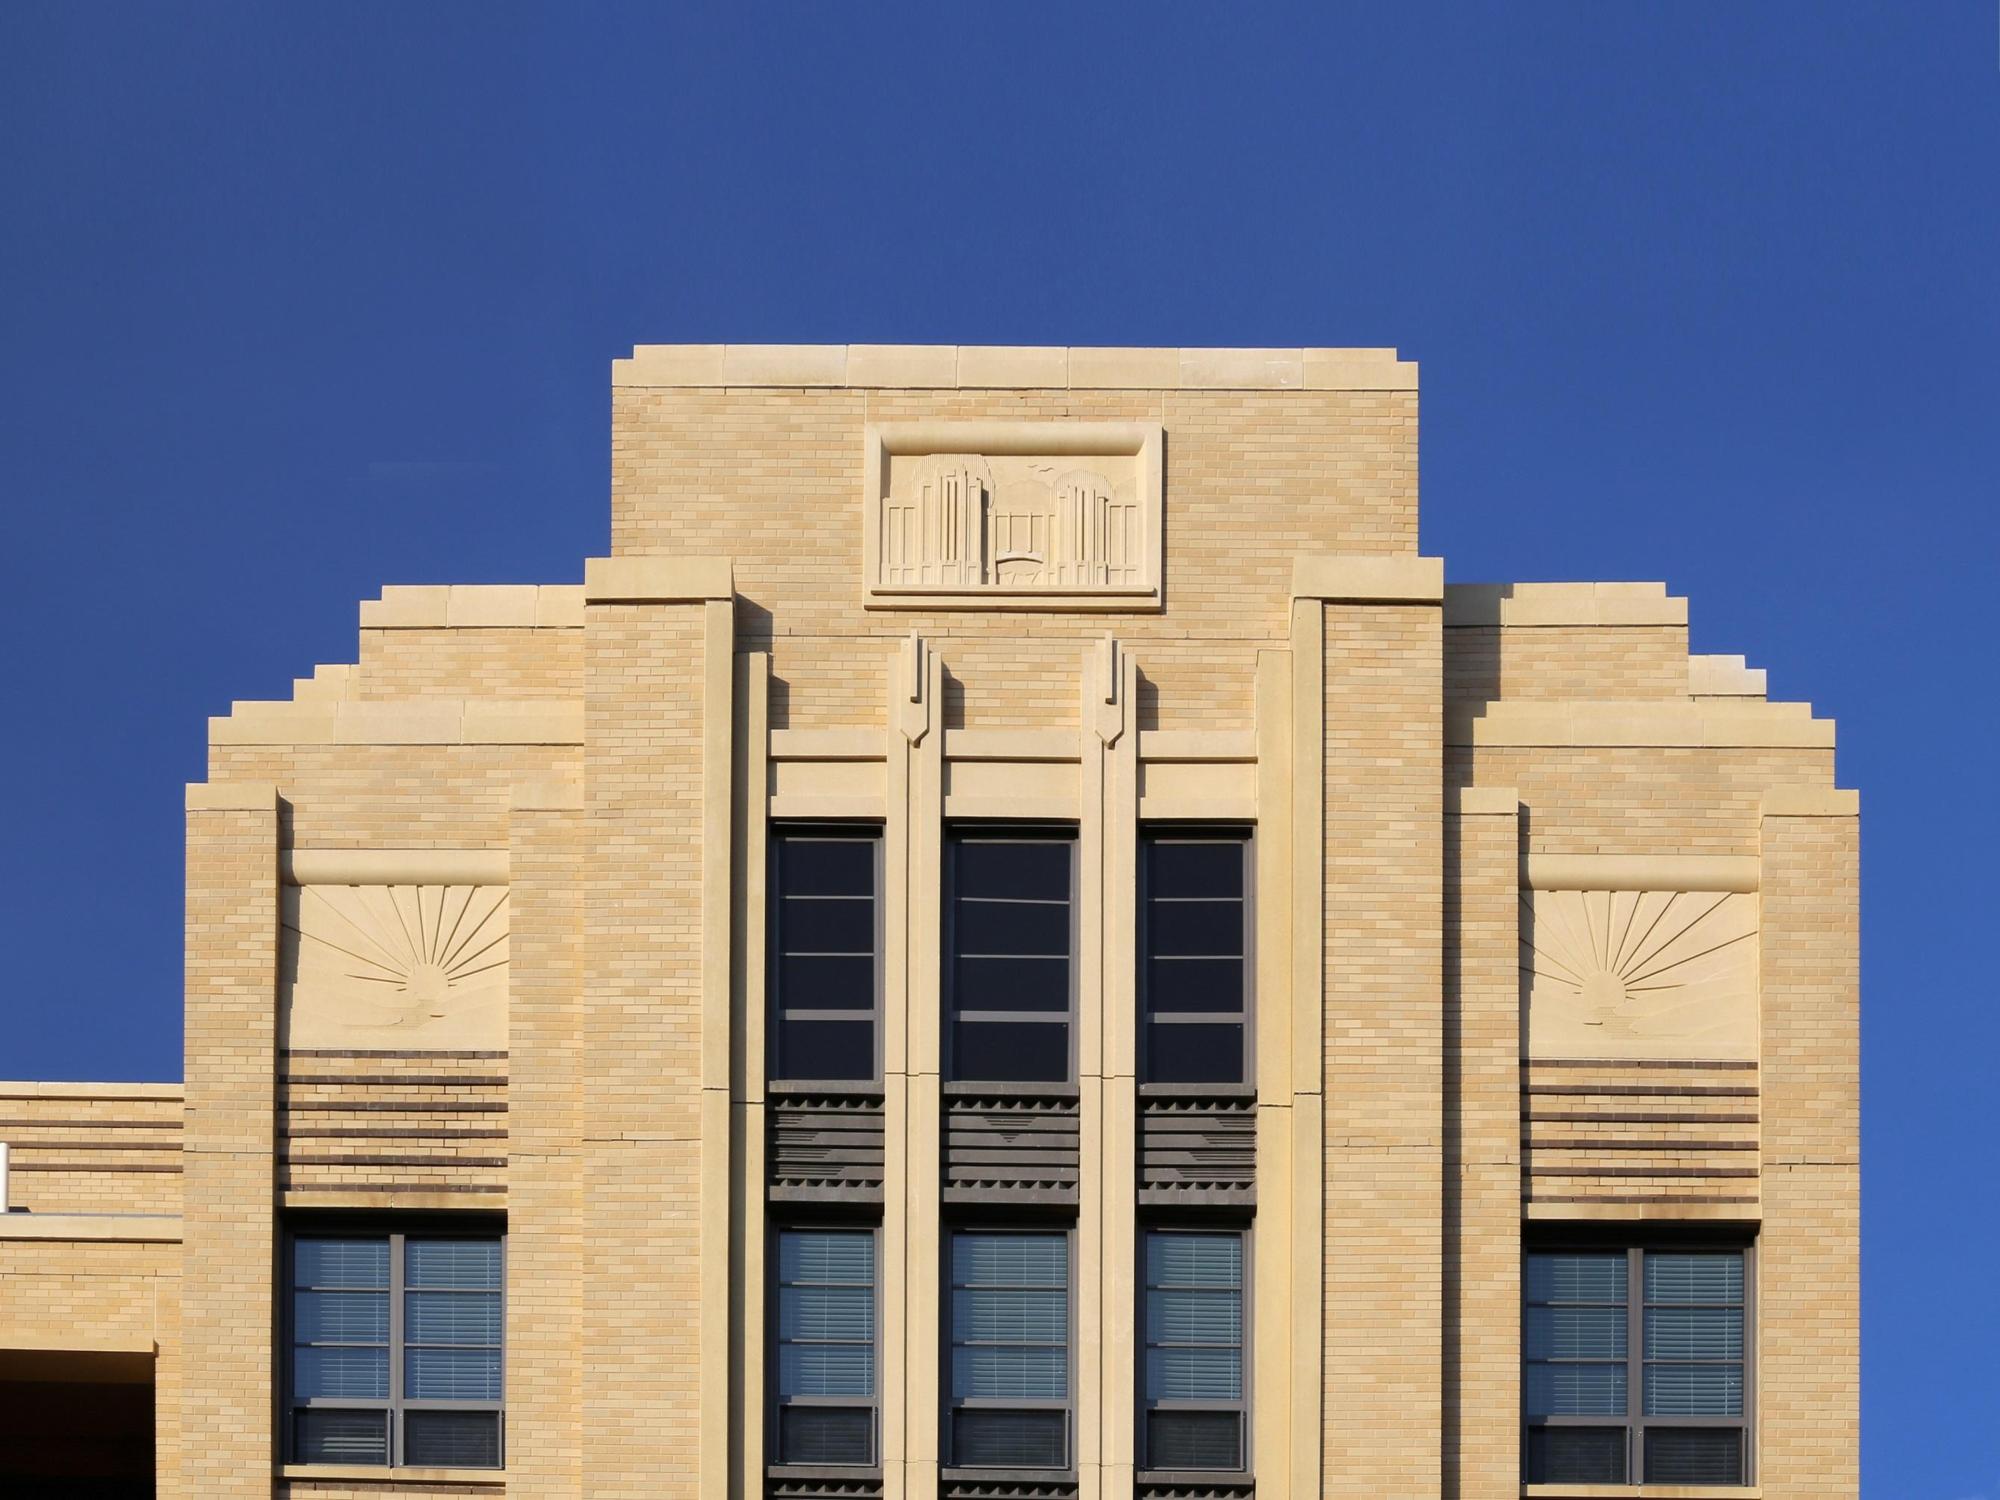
[(1555, 925)]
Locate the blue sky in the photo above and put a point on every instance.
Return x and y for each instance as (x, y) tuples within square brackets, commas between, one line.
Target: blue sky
[(298, 301)]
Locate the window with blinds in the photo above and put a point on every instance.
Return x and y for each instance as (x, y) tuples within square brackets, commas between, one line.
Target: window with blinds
[(1009, 1386), (1010, 938), (396, 1351), (825, 1337), (1635, 1363), (1192, 1380), (825, 953), (1193, 942)]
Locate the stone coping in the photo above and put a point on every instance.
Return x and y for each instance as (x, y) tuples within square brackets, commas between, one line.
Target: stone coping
[(13, 1089), (1011, 367), (1473, 604), (162, 1229)]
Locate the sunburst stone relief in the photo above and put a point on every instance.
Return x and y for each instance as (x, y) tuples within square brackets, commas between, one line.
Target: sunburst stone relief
[(1639, 974), (396, 966)]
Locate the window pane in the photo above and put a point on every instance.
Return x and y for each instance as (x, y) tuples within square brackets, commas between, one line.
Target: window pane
[(341, 1263), (452, 1439), (1209, 867), (1576, 1455), (1201, 928), (1177, 1258), (843, 1050), (1577, 1278), (826, 1435), (1194, 1440), (1010, 1051), (1694, 1390), (1010, 984), (452, 1317), (1195, 1052), (453, 1263), (819, 982), (1181, 1316), (1176, 986), (1575, 1333), (1031, 869), (341, 1317), (1575, 1390), (1695, 1455), (987, 1314), (342, 1437), (1010, 1439), (451, 1374), (826, 1312), (1194, 1373), (981, 1259), (826, 1369), (1694, 1277), (1011, 927), (1694, 1333), (1009, 1317), (809, 866), (348, 1374), (1009, 1372), (827, 1255), (827, 925)]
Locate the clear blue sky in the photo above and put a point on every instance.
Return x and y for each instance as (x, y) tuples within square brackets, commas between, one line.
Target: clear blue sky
[(295, 301)]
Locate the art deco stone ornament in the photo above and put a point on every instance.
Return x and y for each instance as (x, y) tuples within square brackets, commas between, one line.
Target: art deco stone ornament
[(1014, 515)]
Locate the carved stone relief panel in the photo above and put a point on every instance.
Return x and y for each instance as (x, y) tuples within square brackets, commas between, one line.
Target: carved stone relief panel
[(1639, 974), (1013, 515), (395, 967)]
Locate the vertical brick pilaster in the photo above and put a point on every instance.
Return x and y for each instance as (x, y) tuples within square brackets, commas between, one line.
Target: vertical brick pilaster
[(1808, 1263), (229, 1260), (1482, 1144)]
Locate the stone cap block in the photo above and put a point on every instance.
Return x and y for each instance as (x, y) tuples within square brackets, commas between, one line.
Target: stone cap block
[(1474, 801), (474, 606), (1406, 579), (1562, 604), (1811, 802), (232, 796), (1724, 677), (657, 580), (1011, 367)]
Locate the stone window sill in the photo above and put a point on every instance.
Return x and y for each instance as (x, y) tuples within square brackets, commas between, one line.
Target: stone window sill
[(384, 1475), (1641, 1492)]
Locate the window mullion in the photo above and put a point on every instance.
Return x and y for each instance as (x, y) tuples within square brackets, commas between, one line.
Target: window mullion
[(1635, 1360), (395, 1433)]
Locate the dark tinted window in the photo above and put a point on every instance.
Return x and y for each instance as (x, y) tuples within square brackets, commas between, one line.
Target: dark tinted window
[(1194, 970), (825, 1346), (1192, 1379), (1009, 958), (825, 965), (1009, 1363)]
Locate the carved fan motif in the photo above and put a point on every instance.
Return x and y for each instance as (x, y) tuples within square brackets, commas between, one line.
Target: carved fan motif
[(1640, 974), (420, 962)]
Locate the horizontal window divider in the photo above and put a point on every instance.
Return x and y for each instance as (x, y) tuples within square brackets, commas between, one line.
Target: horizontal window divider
[(971, 1089)]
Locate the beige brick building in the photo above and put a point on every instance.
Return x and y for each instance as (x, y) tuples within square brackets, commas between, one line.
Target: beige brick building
[(1015, 940)]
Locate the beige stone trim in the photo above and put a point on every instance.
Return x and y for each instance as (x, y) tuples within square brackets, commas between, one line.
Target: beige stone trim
[(393, 866), (361, 1200), (827, 744), (1010, 367), (1368, 580), (1010, 744), (106, 1091), (1198, 744), (657, 580), (346, 1473), (476, 606), (1483, 801), (548, 794), (416, 721), (1811, 802), (826, 788), (1467, 604), (1011, 789), (1640, 872), (1715, 724), (1222, 790), (1724, 677), (1727, 1213), (231, 796), (718, 724), (161, 1229)]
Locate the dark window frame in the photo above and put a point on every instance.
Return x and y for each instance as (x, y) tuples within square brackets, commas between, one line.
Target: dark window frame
[(1635, 1421), (775, 1014), (955, 835), (775, 1402), (1241, 1407), (950, 1405), (398, 1231), (1244, 834)]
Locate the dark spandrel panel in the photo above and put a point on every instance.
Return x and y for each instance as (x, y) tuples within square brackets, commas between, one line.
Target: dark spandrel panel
[(1175, 986), (1025, 870), (1694, 1455), (1576, 1455), (826, 867), (1195, 1052), (1200, 868), (1010, 1439), (842, 1051), (1010, 984), (451, 1439), (833, 924), (818, 983), (1194, 1440), (1010, 1051), (826, 1435), (1039, 927), (341, 1437), (1196, 929)]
